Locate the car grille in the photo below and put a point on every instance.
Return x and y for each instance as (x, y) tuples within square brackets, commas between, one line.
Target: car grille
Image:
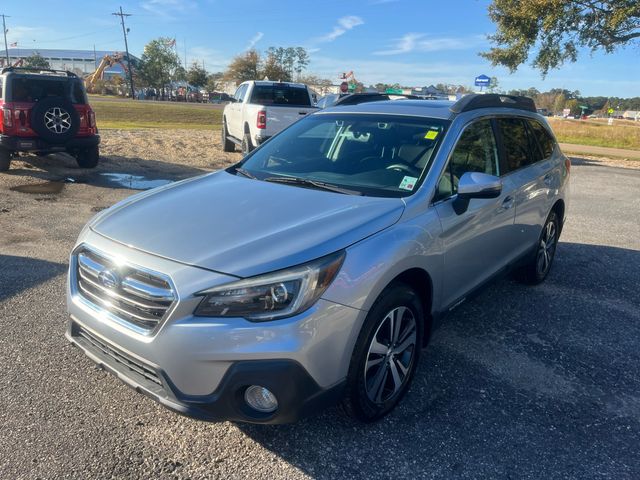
[(133, 365), (136, 296)]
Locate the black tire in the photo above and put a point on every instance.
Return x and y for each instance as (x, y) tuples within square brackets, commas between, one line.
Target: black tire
[(539, 264), (247, 146), (55, 119), (5, 159), (227, 145), (378, 379), (88, 157)]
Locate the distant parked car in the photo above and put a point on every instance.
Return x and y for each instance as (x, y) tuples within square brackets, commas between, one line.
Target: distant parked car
[(216, 97), (44, 111), (259, 110)]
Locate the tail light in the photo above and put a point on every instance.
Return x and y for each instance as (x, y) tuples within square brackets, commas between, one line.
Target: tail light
[(91, 119), (567, 164), (7, 117), (262, 119)]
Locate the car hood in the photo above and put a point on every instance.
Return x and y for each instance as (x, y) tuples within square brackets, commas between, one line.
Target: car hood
[(244, 227)]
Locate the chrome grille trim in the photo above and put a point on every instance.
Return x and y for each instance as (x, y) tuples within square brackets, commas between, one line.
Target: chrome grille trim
[(141, 298)]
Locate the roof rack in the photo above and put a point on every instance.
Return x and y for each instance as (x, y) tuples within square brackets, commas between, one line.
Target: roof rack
[(492, 100), (357, 98), (37, 70)]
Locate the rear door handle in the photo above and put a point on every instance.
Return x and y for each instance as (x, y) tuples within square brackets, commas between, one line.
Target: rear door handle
[(507, 203)]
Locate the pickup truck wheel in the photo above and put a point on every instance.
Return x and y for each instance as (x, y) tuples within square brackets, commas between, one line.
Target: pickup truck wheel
[(247, 146), (88, 157), (5, 160), (227, 145), (386, 354)]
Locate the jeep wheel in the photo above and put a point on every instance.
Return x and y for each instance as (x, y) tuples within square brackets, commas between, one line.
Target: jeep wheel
[(247, 146), (55, 119), (386, 354), (5, 159), (88, 157), (227, 145)]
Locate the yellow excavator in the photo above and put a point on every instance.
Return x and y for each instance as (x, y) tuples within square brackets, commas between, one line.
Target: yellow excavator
[(106, 62)]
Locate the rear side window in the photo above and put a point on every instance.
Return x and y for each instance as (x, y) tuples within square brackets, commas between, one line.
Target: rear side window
[(280, 95), (546, 142), (516, 142)]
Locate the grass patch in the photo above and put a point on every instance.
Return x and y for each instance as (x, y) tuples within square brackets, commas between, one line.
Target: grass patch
[(144, 114), (580, 132)]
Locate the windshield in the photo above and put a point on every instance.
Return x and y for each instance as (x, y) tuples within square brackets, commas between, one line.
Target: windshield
[(375, 155), (280, 94)]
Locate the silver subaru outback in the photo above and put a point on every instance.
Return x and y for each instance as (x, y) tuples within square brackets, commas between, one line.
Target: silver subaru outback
[(312, 272)]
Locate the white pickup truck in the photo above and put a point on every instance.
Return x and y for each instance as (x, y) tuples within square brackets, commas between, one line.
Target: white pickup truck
[(260, 109)]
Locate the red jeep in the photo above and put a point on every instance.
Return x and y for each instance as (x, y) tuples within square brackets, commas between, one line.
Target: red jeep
[(44, 111)]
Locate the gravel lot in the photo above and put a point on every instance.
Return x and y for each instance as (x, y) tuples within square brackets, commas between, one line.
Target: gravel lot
[(519, 382)]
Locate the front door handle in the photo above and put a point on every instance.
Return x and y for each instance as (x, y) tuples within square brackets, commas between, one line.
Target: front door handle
[(507, 203)]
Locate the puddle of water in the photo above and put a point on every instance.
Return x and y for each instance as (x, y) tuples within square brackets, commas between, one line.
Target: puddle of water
[(39, 188), (134, 182)]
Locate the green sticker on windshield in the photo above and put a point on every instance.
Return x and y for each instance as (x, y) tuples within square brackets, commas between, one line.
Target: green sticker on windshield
[(408, 183)]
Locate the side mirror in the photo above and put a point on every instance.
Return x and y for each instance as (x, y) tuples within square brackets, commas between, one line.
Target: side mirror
[(476, 185)]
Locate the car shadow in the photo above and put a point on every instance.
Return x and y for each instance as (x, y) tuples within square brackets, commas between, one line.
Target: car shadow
[(18, 274), (112, 172), (520, 381)]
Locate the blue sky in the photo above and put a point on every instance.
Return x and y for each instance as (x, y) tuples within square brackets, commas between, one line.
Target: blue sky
[(412, 42)]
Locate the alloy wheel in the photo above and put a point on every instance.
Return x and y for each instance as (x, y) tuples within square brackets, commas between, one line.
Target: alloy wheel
[(390, 355), (546, 249), (57, 120)]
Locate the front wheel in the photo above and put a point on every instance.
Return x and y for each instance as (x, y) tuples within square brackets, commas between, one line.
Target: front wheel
[(5, 160), (538, 267), (227, 145), (386, 354), (88, 157)]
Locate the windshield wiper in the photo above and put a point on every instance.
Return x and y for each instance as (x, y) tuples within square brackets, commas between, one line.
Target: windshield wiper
[(245, 173), (305, 182)]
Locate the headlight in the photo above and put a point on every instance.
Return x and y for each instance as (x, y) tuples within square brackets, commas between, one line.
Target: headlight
[(274, 295)]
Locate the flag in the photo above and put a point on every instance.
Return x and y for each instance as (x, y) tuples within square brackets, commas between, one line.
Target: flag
[(14, 44), (170, 43)]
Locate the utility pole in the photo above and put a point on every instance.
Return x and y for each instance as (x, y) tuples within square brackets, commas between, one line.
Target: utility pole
[(4, 31), (126, 47)]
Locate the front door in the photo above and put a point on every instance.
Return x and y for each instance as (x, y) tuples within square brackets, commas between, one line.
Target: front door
[(480, 241)]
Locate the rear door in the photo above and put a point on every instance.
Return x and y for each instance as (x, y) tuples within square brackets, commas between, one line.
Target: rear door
[(478, 242), (531, 167)]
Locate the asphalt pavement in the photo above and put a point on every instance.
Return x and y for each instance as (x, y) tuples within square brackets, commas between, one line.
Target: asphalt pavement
[(519, 382)]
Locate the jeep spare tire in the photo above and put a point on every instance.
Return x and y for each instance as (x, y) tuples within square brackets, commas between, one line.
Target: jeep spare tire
[(55, 119)]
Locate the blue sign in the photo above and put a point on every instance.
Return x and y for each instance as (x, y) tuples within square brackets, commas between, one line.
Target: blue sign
[(482, 81)]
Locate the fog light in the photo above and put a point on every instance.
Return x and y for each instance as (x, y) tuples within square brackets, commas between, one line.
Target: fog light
[(260, 399)]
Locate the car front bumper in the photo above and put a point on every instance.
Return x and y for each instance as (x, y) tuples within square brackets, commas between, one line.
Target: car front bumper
[(200, 367), (34, 144)]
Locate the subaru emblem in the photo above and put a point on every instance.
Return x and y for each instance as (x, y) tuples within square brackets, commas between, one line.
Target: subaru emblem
[(109, 279)]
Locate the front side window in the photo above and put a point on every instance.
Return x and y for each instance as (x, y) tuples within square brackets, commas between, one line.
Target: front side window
[(476, 151), (515, 139), (376, 155), (239, 95)]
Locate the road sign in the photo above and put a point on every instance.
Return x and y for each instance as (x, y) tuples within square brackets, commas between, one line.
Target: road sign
[(482, 81), (394, 91)]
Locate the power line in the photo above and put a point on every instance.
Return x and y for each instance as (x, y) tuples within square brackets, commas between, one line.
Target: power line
[(4, 31), (126, 47)]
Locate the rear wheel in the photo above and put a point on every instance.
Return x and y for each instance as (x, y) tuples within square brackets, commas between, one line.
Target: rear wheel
[(227, 145), (386, 354), (5, 159), (247, 146), (88, 157), (538, 267)]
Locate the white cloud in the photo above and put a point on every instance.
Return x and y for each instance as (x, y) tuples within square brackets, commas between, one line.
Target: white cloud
[(255, 39), (214, 61), (421, 42), (168, 8), (25, 36), (344, 25)]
